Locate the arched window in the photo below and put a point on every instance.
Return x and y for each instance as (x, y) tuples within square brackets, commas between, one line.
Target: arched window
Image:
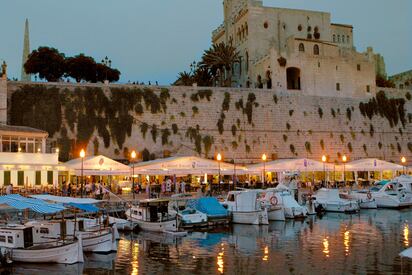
[(347, 39), (293, 78), (343, 39), (316, 49), (334, 38), (301, 47), (338, 38)]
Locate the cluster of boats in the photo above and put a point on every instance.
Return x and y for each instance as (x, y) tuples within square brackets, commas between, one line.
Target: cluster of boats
[(258, 207)]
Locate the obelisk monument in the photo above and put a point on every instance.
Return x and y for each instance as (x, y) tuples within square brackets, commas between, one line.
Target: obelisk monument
[(26, 52)]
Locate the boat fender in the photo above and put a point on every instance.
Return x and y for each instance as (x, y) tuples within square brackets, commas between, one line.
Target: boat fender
[(369, 195), (273, 200)]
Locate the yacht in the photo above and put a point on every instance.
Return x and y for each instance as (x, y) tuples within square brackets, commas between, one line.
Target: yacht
[(153, 215), (364, 198), (18, 243), (330, 201), (186, 215), (246, 207), (282, 196), (390, 194)]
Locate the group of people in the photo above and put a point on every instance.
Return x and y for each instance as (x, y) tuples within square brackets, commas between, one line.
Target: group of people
[(167, 187), (90, 189)]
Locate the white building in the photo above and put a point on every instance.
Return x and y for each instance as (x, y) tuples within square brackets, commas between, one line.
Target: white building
[(288, 49), (23, 158)]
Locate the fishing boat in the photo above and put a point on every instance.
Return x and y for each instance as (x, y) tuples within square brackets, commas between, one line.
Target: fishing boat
[(98, 239), (17, 241), (396, 193), (282, 196), (152, 215), (330, 201), (246, 207)]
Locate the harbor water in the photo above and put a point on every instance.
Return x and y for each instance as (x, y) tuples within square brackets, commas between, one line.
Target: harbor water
[(364, 243)]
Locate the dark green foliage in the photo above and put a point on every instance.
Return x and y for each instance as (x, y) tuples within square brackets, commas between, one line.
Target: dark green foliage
[(143, 128), (182, 114), (226, 102), (371, 130), (275, 99), (146, 156), (308, 147), (154, 132), (399, 147), (194, 135), (239, 104), (322, 144), (349, 113), (408, 96), (380, 145), (165, 136), (47, 62), (292, 148), (234, 130), (320, 112), (64, 144), (285, 138), (153, 102), (201, 94), (220, 125), (390, 108), (288, 126), (175, 129), (195, 110), (247, 148), (365, 148), (342, 138), (400, 131), (234, 145), (248, 108), (410, 146), (291, 112), (350, 147), (207, 144)]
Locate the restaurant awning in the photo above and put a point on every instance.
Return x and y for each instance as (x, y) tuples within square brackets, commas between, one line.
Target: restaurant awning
[(290, 165), (21, 203), (59, 199), (98, 166), (371, 164), (189, 165)]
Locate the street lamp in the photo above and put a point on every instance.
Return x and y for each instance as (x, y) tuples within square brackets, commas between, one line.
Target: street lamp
[(133, 156), (344, 159), (324, 169), (264, 158), (108, 63), (403, 160), (219, 159), (82, 155)]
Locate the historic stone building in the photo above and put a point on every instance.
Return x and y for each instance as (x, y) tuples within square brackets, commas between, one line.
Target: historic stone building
[(402, 80), (288, 49)]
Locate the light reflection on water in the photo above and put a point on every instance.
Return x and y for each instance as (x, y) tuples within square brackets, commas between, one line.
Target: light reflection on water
[(368, 242)]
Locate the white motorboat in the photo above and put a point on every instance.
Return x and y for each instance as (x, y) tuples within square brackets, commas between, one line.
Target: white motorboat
[(390, 194), (94, 239), (364, 198), (281, 195), (152, 215), (246, 207), (187, 216), (330, 201), (119, 224), (17, 242)]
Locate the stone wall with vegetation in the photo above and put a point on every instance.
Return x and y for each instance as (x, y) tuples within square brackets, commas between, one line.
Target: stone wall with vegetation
[(241, 124)]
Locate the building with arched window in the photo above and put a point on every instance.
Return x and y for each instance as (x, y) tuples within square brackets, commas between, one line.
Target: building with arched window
[(286, 41)]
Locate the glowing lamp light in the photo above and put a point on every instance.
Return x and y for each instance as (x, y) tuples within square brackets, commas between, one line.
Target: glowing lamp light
[(57, 150), (264, 157), (219, 157), (82, 153), (323, 158), (19, 149), (133, 154), (403, 160), (344, 158)]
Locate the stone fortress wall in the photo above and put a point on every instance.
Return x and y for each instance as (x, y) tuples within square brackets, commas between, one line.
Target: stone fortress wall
[(242, 124)]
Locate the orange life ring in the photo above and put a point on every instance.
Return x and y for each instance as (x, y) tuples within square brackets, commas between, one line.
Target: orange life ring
[(273, 200), (369, 195)]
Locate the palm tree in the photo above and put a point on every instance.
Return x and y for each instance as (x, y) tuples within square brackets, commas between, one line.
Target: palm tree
[(184, 79), (221, 57)]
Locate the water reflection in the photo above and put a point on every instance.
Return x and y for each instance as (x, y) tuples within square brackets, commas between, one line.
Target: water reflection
[(365, 243)]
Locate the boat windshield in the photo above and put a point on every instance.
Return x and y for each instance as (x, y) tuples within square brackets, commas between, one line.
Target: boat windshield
[(378, 186)]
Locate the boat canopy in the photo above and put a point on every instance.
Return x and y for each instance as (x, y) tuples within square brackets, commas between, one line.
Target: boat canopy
[(371, 164), (288, 165), (19, 202), (84, 207), (189, 165), (97, 166), (210, 206), (58, 199)]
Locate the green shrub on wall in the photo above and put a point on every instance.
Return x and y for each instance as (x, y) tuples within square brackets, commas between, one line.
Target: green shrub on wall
[(175, 128), (410, 146), (165, 136)]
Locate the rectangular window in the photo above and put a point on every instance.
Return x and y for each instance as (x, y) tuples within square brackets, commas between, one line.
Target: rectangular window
[(5, 144), (358, 66), (50, 177), (20, 178), (7, 177), (3, 239), (368, 88), (337, 86), (44, 230), (38, 178), (10, 239)]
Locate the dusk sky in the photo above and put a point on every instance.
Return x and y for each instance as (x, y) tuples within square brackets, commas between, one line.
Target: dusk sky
[(156, 39)]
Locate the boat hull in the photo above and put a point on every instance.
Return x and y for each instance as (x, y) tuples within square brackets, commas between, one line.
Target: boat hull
[(99, 242), (170, 225), (340, 207), (251, 217), (65, 254), (295, 213), (276, 214)]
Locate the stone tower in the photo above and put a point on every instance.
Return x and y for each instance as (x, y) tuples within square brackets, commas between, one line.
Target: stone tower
[(26, 52)]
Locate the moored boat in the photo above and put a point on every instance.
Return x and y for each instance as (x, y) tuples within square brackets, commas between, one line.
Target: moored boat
[(330, 201)]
